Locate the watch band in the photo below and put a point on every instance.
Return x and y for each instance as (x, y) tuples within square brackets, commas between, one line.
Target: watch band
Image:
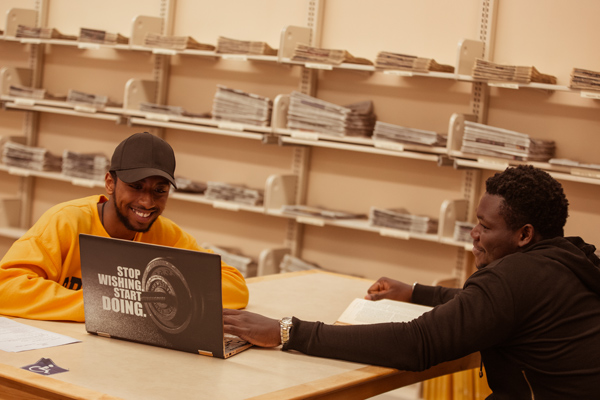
[(285, 324)]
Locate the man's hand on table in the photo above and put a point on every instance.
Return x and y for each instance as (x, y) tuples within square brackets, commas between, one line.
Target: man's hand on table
[(255, 328)]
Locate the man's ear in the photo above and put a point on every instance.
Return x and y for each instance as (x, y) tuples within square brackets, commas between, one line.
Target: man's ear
[(526, 235), (109, 184)]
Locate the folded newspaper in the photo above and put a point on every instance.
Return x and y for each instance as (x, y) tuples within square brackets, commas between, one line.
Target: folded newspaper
[(308, 113), (487, 70), (319, 212), (403, 62), (90, 99), (235, 193), (304, 53), (400, 218), (492, 141), (101, 37), (42, 33), (585, 79), (234, 46), (236, 105), (246, 265), (175, 42), (29, 157), (85, 165), (396, 133)]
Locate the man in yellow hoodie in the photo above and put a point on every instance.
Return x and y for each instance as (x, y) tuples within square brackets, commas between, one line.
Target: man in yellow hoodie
[(40, 275)]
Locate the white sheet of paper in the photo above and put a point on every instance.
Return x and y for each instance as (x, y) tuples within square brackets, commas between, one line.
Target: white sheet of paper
[(362, 311), (15, 337)]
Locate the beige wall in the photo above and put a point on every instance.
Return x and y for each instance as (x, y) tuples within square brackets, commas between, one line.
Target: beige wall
[(554, 36)]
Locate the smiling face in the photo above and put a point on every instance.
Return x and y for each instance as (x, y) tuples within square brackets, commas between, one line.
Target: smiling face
[(492, 239), (134, 206)]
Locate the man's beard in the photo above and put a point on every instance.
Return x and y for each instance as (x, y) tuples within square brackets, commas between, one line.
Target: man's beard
[(126, 222)]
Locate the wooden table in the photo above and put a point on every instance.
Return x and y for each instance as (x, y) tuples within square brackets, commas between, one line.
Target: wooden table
[(102, 368)]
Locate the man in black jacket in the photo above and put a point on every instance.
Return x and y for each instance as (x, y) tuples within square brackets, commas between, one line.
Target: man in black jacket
[(532, 308)]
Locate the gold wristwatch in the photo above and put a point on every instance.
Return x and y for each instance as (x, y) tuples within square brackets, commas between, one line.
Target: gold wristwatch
[(285, 324)]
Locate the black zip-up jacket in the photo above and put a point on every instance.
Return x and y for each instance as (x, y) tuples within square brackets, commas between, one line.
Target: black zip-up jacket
[(534, 316)]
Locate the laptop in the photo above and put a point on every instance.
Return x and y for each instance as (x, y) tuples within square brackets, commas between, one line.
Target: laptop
[(156, 295)]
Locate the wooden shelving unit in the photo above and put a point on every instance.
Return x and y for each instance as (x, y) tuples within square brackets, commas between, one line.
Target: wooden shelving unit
[(285, 185)]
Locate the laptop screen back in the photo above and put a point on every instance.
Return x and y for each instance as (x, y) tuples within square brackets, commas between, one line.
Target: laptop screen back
[(152, 294)]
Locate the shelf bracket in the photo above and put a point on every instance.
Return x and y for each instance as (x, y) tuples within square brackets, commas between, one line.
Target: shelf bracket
[(479, 108)]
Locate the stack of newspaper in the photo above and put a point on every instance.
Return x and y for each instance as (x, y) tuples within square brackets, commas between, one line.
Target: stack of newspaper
[(33, 93), (85, 165), (394, 61), (153, 108), (311, 114), (170, 111), (175, 42), (402, 134), (400, 218), (28, 157), (585, 79), (246, 265), (235, 193), (564, 162), (304, 53), (186, 185), (90, 99), (27, 92), (462, 231), (42, 33), (242, 107), (234, 46), (361, 120), (489, 71), (497, 142), (290, 263), (101, 37), (319, 212)]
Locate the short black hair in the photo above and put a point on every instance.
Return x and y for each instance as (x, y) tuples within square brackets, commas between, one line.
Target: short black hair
[(531, 196)]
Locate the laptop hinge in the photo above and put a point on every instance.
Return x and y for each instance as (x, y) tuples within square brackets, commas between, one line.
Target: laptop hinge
[(205, 353), (103, 334)]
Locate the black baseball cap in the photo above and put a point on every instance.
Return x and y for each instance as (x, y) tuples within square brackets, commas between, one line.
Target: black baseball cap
[(142, 155)]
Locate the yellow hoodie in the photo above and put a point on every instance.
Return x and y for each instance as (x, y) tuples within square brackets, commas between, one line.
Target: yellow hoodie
[(40, 275)]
